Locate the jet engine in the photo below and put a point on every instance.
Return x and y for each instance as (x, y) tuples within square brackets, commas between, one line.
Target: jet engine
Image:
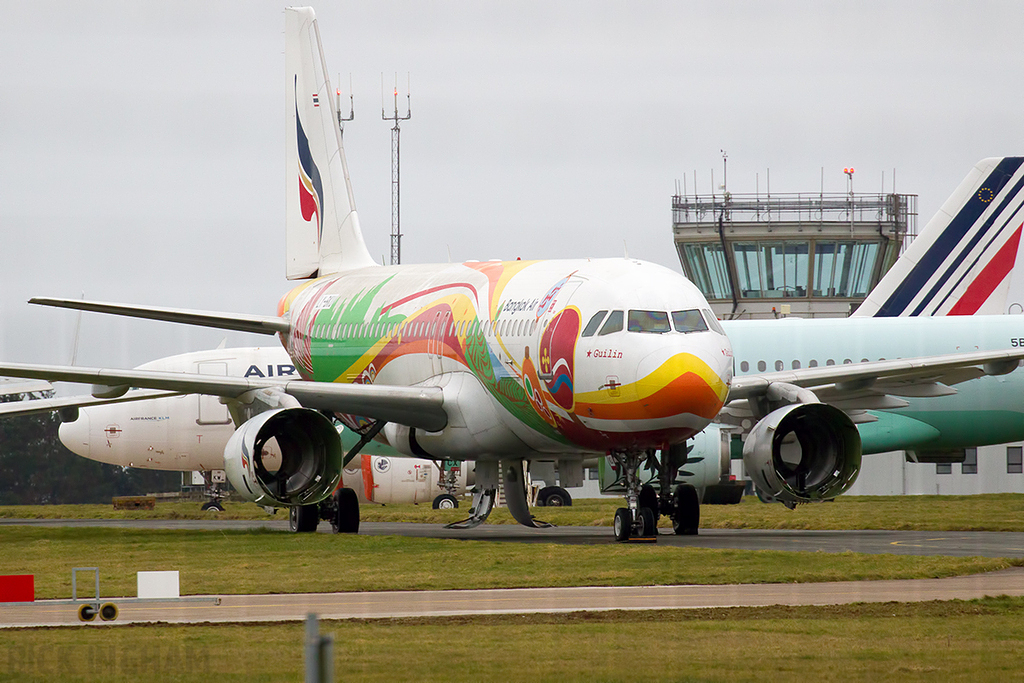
[(290, 456), (803, 452)]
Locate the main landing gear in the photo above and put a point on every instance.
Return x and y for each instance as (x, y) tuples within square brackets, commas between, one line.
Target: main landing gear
[(341, 510), (448, 481), (645, 503)]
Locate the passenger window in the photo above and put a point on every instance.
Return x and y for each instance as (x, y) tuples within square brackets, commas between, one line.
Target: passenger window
[(744, 366), (688, 321), (761, 366), (594, 323), (612, 324), (812, 364), (779, 365), (796, 365)]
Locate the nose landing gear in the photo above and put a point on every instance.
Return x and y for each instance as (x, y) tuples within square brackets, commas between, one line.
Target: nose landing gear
[(638, 520), (645, 503)]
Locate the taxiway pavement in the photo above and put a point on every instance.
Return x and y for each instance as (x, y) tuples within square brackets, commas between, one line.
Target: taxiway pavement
[(951, 543), (295, 607)]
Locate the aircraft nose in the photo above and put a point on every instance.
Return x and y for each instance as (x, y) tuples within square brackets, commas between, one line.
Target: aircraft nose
[(75, 435), (684, 383)]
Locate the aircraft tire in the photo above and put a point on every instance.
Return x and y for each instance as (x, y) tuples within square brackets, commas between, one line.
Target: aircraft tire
[(622, 525), (649, 523), (212, 505), (685, 510), (303, 518), (445, 501), (346, 512), (649, 499), (553, 496)]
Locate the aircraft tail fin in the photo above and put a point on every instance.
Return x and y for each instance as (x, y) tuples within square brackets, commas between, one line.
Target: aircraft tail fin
[(323, 233), (964, 261)]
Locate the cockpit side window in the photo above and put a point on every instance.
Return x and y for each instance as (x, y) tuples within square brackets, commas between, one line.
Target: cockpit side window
[(688, 321), (713, 322), (648, 321), (612, 324), (594, 323)]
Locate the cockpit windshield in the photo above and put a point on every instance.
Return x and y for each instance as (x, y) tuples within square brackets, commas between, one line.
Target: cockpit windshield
[(652, 322), (612, 324), (649, 321), (689, 321)]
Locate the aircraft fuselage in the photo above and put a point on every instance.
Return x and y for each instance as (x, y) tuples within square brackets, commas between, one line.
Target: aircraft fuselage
[(512, 337)]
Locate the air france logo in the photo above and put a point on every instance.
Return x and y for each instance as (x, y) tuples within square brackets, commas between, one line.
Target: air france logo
[(311, 191), (283, 370)]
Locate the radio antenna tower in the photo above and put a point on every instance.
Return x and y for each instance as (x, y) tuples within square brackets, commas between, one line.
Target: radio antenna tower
[(396, 132), (351, 105)]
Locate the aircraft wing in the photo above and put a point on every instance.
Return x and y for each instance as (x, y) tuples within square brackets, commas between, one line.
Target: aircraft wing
[(241, 322), (878, 384), (420, 407), (10, 387), (46, 405)]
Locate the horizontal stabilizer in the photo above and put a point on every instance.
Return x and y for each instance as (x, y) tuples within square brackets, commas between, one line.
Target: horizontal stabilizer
[(240, 322)]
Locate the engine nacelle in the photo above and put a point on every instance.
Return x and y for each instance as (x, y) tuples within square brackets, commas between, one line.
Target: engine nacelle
[(291, 456), (802, 453)]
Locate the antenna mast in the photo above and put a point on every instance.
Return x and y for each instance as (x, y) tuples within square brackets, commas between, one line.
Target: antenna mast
[(351, 105), (396, 131)]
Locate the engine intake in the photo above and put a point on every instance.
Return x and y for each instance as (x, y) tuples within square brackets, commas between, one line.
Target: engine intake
[(802, 453), (291, 456)]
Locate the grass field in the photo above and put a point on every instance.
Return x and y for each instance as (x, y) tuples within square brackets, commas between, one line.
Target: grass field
[(950, 641), (264, 561), (990, 512)]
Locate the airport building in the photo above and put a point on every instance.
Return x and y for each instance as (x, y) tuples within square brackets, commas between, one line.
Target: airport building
[(808, 255), (819, 254)]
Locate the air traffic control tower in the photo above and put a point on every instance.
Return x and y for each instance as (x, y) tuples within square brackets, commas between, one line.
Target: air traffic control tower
[(808, 255)]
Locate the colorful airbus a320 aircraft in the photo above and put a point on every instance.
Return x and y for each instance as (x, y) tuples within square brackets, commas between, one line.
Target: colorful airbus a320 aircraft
[(503, 363)]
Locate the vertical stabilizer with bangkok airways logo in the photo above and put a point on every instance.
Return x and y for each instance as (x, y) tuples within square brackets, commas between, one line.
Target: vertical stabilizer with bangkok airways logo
[(323, 231), (963, 261)]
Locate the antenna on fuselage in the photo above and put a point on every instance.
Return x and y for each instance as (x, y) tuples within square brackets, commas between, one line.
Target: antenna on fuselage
[(396, 132)]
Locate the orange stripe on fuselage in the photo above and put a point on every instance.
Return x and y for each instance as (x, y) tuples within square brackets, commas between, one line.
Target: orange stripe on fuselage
[(682, 384), (688, 393)]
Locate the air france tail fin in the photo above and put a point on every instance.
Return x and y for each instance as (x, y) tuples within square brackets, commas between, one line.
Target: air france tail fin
[(963, 262), (323, 234)]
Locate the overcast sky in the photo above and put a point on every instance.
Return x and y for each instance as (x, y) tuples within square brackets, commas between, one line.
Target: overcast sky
[(142, 144)]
